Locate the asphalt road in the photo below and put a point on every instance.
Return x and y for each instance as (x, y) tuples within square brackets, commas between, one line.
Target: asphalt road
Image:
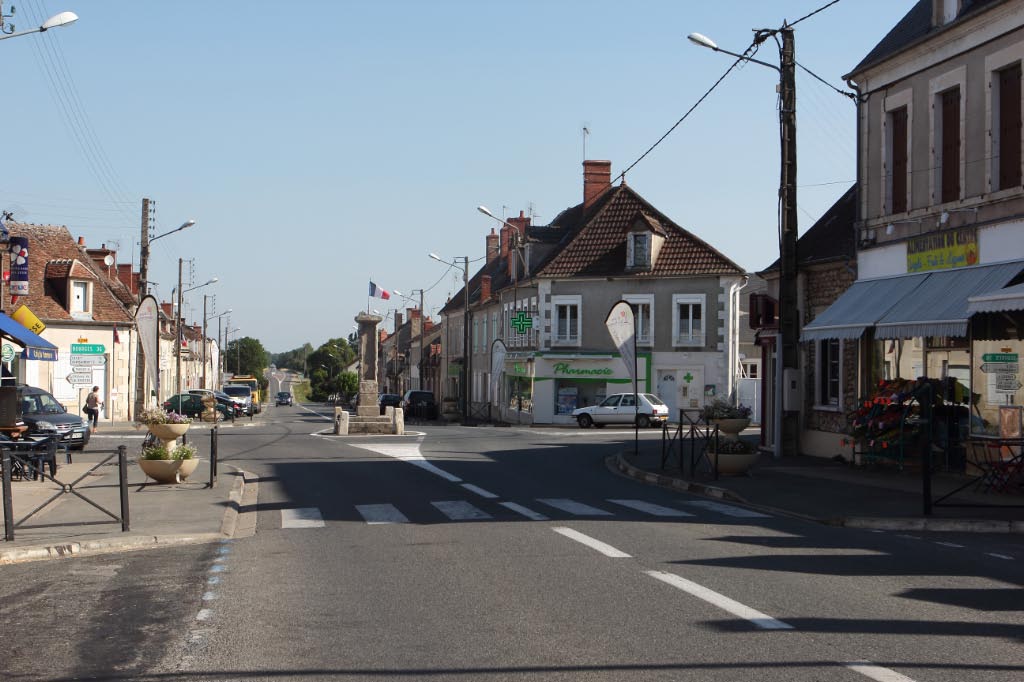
[(513, 554)]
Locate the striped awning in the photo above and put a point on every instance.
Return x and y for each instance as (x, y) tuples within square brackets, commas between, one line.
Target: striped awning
[(997, 301)]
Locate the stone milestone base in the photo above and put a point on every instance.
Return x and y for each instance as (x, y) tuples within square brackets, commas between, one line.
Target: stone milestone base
[(368, 399)]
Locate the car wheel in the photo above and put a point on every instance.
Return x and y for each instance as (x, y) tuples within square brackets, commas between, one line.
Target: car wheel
[(585, 421), (643, 421)]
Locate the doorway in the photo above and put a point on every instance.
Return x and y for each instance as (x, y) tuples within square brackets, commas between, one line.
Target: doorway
[(667, 391)]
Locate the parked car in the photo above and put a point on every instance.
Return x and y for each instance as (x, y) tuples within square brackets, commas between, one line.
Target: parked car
[(244, 393), (386, 400), (622, 408), (419, 404), (235, 405), (43, 414), (191, 405), (283, 398)]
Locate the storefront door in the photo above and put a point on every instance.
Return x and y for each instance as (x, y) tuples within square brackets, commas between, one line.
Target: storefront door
[(667, 391), (690, 381)]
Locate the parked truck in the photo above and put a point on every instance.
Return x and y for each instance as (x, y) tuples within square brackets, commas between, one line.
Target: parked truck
[(253, 383)]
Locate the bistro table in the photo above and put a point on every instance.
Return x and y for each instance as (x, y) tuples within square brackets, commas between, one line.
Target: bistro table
[(1000, 463)]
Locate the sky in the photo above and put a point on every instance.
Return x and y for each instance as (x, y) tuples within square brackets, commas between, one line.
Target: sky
[(322, 144)]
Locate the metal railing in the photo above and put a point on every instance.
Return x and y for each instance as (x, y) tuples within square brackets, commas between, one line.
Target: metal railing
[(694, 433)]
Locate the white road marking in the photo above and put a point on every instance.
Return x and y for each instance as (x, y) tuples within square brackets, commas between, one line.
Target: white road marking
[(375, 514), (204, 614), (409, 452), (479, 491), (650, 508), (209, 596), (592, 543), (721, 601), (520, 509), (1000, 556), (304, 517), (950, 544), (729, 510), (572, 507), (908, 537), (876, 672), (459, 510)]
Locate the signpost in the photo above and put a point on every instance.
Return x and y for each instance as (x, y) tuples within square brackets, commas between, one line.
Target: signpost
[(1000, 367), (83, 361), (88, 349), (80, 378), (1005, 366)]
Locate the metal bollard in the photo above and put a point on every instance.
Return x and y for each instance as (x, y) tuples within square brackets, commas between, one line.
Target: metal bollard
[(122, 479), (213, 455), (8, 502)]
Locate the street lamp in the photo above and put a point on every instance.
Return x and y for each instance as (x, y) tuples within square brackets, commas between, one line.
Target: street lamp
[(787, 351), (467, 362), (61, 19), (178, 322), (144, 260)]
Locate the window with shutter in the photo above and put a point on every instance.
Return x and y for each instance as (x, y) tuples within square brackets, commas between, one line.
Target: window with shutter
[(1009, 127), (898, 158), (950, 102)]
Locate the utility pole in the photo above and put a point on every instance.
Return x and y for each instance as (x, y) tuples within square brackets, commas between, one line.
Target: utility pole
[(179, 332), (467, 366), (140, 374), (423, 327), (789, 314), (204, 340)]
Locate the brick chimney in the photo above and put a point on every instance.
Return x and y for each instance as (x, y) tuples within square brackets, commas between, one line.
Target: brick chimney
[(492, 245), (597, 177), (428, 325), (168, 309), (485, 288), (416, 320)]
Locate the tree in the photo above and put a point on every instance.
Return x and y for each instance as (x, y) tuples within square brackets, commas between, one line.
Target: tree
[(246, 356), (293, 359), (326, 368)]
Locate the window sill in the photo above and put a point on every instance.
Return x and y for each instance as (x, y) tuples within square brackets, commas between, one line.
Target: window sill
[(827, 408)]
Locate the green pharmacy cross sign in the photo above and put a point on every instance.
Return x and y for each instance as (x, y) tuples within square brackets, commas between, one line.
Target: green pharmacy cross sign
[(521, 322)]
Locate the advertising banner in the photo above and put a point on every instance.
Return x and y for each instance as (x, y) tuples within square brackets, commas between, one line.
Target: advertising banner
[(147, 321), (621, 326), (498, 353), (19, 266), (27, 319)]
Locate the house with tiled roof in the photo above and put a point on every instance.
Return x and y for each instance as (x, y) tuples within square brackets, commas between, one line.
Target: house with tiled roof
[(545, 292), (85, 316)]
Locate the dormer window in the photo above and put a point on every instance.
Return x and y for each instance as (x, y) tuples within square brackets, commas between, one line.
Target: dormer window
[(639, 250), (81, 300)]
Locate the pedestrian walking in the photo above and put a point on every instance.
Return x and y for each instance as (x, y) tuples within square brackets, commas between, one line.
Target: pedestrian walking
[(93, 404)]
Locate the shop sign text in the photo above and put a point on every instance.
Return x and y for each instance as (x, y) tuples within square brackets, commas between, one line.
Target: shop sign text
[(564, 368), (943, 250)]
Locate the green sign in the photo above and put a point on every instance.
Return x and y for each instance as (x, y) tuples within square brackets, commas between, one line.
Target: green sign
[(88, 349), (999, 357), (566, 368), (521, 322), (8, 353)]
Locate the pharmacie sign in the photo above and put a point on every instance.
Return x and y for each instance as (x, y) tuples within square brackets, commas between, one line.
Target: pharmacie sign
[(566, 369), (943, 250)]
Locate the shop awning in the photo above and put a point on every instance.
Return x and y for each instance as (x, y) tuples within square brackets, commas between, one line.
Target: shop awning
[(938, 306), (36, 347), (998, 301), (859, 307)]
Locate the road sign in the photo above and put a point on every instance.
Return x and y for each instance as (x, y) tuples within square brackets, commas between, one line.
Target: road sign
[(1000, 367), (7, 354), (88, 349), (999, 357), (80, 378), (1007, 383), (88, 361)]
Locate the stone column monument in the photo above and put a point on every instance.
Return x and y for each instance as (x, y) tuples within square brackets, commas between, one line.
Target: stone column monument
[(368, 343)]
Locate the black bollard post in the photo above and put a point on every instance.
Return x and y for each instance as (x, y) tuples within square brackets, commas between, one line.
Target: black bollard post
[(213, 455), (8, 502), (122, 480)]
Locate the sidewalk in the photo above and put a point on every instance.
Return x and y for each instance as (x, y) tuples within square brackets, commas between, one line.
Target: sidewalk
[(837, 493), (159, 515)]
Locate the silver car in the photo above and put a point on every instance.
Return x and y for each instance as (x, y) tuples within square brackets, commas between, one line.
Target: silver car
[(646, 409)]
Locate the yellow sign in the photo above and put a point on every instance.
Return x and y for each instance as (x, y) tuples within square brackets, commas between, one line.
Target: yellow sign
[(27, 319), (943, 250)]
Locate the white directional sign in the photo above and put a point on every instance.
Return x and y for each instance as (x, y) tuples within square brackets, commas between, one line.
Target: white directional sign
[(88, 360), (80, 378), (1007, 383), (1000, 367)]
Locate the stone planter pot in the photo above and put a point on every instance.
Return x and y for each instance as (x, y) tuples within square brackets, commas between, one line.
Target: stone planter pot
[(168, 433), (731, 427), (168, 470), (733, 464)]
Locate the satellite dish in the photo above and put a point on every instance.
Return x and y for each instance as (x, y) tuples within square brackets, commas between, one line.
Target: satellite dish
[(108, 260)]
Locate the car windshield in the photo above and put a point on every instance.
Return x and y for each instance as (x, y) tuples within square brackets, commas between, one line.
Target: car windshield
[(240, 391), (653, 399), (41, 403)]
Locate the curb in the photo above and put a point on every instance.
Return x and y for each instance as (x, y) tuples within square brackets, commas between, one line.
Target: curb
[(931, 524), (229, 529)]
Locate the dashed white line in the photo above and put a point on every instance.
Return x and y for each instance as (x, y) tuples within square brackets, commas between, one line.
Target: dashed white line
[(729, 510), (728, 605), (479, 491), (525, 511), (999, 556), (950, 544), (460, 510), (204, 614), (876, 672), (592, 543), (304, 517), (650, 508), (377, 514), (573, 507)]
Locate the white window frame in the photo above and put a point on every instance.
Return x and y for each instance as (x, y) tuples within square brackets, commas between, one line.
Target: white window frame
[(631, 262), (638, 300), (573, 301), (690, 340), (891, 103), (820, 372), (86, 288)]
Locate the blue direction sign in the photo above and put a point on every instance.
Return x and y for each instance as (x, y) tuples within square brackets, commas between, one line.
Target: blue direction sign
[(88, 349)]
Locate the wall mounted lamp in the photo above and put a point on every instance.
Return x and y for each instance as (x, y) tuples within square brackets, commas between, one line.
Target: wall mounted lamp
[(944, 216)]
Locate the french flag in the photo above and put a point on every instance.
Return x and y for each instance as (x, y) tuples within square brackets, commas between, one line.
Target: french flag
[(377, 292)]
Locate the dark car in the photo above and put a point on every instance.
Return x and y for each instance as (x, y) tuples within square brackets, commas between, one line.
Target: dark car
[(419, 405), (191, 405), (386, 400), (235, 405), (43, 414), (284, 398)]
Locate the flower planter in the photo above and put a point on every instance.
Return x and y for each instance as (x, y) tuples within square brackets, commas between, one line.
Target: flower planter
[(733, 464), (168, 470), (168, 433), (731, 427)]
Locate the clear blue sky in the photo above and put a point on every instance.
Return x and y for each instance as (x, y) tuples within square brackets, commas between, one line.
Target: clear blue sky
[(319, 144)]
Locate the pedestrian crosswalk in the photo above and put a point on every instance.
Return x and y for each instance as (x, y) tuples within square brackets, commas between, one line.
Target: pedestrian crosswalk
[(538, 509)]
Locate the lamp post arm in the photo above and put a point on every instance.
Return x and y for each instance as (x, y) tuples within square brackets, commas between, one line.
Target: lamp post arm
[(747, 59)]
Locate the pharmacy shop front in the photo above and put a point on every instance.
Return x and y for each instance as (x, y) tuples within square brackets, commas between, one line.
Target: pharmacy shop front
[(564, 381)]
